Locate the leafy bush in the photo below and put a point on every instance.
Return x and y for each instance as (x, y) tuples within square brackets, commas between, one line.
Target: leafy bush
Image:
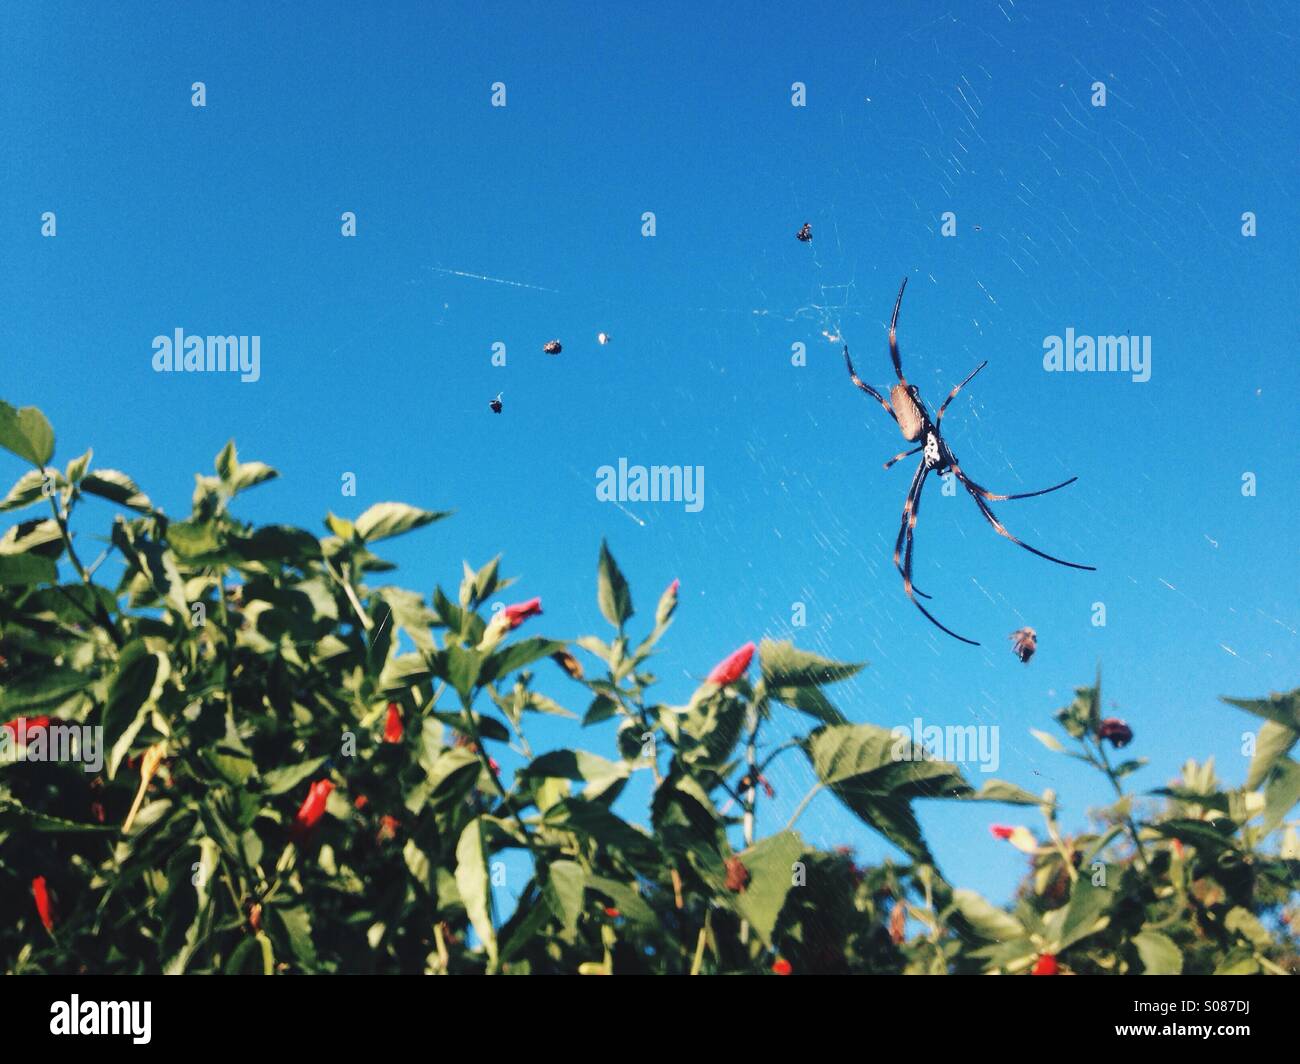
[(298, 777)]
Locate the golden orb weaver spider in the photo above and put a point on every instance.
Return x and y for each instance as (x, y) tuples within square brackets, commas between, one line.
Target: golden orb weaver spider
[(909, 412)]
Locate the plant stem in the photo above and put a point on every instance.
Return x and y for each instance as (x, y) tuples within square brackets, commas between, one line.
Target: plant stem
[(1128, 818), (803, 804)]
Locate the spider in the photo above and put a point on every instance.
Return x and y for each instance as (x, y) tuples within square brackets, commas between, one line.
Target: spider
[(805, 234), (909, 411), (495, 404), (552, 347)]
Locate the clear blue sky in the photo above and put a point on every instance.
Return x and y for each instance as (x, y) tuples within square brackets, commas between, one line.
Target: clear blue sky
[(1123, 219)]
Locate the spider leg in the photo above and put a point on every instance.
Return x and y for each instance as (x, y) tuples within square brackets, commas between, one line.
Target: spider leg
[(910, 525), (901, 455), (1001, 531), (893, 334), (953, 394), (994, 497), (867, 387)]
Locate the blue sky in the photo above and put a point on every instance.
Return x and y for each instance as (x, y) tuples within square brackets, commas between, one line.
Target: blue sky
[(376, 361)]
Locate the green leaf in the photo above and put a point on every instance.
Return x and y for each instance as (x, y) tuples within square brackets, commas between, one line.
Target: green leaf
[(250, 474), (596, 822), (27, 434), (770, 864), (612, 593), (17, 818), (47, 687), (474, 884), (598, 773), (459, 667), (1281, 794), (987, 920), (1009, 793), (32, 536), (78, 466), (1273, 743), (602, 708), (1049, 741), (1160, 956), (386, 519), (27, 489), (283, 780), (24, 570), (209, 858), (135, 686), (1284, 709), (227, 461), (809, 700), (116, 487), (488, 727), (1246, 924), (785, 666), (565, 884), (516, 655), (1084, 916), (1240, 961), (626, 899)]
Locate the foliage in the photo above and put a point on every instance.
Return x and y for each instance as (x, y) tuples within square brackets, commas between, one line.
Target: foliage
[(298, 777)]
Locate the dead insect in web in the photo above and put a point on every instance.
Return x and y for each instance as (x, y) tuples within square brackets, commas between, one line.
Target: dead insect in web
[(1024, 642), (805, 234), (602, 338), (495, 404), (552, 347), (737, 875)]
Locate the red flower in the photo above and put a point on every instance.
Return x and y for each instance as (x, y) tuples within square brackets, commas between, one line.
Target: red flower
[(361, 801), (388, 826), (518, 613), (43, 908), (1114, 729), (1001, 831), (1045, 965), (393, 725), (732, 667), (312, 808), (26, 725), (612, 913), (782, 967)]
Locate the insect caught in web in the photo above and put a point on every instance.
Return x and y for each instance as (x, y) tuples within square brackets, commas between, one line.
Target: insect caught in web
[(805, 234), (495, 404), (909, 411), (1024, 644)]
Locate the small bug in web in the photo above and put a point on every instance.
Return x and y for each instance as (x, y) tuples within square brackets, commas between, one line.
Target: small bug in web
[(1024, 642), (552, 347), (805, 234), (495, 404), (909, 412)]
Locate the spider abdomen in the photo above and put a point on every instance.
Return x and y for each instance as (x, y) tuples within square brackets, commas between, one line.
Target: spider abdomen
[(906, 410)]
